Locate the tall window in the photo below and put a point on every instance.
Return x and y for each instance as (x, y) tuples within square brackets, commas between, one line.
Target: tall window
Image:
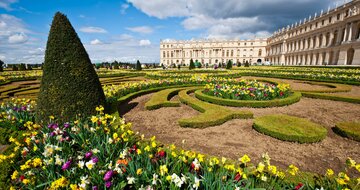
[(260, 52), (232, 53), (164, 55)]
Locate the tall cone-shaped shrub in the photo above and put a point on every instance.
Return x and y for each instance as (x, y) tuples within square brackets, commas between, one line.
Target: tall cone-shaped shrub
[(69, 85)]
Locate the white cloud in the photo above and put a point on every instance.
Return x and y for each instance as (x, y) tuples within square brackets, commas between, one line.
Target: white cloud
[(18, 38), (6, 4), (141, 29), (2, 57), (144, 43), (96, 42), (123, 9), (82, 16), (92, 29), (232, 18), (37, 51)]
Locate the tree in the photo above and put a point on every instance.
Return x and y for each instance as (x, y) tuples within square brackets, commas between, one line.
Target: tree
[(15, 68), (69, 86), (247, 64), (1, 66), (229, 64), (138, 65), (179, 67), (192, 65), (238, 64), (22, 67)]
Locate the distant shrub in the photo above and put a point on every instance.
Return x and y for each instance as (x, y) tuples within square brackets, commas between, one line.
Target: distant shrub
[(229, 64), (247, 64), (138, 66)]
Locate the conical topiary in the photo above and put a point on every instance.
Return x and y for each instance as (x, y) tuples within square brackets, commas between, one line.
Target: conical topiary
[(69, 85)]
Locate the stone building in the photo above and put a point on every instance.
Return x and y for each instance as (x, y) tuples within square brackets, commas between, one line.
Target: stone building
[(210, 52), (330, 38)]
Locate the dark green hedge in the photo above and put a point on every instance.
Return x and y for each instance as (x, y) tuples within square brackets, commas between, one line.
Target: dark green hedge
[(290, 128), (161, 99), (350, 130), (211, 114), (342, 98), (332, 88), (293, 98)]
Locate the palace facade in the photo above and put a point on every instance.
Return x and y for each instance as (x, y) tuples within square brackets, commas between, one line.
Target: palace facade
[(330, 38), (210, 52)]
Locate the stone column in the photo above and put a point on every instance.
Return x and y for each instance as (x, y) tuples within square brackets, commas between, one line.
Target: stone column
[(323, 41), (350, 32), (303, 60), (346, 33), (317, 41), (314, 59), (320, 61)]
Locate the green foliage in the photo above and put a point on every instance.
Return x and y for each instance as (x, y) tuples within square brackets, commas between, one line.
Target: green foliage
[(293, 98), (247, 64), (138, 65), (161, 99), (290, 128), (1, 66), (229, 64), (335, 97), (238, 64), (15, 68), (211, 114), (350, 130), (192, 64), (69, 85), (331, 88), (22, 67)]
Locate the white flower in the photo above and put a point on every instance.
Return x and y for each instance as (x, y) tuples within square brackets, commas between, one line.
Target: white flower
[(50, 161), (196, 164), (131, 180), (176, 180), (155, 177), (90, 164), (58, 160), (81, 164), (196, 184), (49, 150), (123, 154), (237, 188), (95, 150), (110, 141), (84, 182), (263, 178), (80, 157)]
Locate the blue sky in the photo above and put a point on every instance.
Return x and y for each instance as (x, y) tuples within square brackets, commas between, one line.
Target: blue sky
[(127, 30)]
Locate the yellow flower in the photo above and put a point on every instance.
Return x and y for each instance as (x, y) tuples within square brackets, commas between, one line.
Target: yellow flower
[(168, 177), (357, 167), (350, 162), (281, 175), (342, 178), (153, 144), (245, 159), (138, 151), (147, 148), (14, 175), (59, 183), (37, 162), (26, 181), (223, 160), (293, 169), (200, 157), (272, 169), (94, 119), (73, 187), (260, 168), (51, 117), (329, 172), (163, 170)]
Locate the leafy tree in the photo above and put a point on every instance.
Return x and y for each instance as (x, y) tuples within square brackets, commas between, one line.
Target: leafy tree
[(229, 64), (138, 65), (15, 68), (70, 86), (22, 67), (179, 67), (1, 66), (238, 64), (192, 65), (247, 64)]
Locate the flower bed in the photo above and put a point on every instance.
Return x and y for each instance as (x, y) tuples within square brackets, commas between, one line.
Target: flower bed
[(247, 90), (102, 152)]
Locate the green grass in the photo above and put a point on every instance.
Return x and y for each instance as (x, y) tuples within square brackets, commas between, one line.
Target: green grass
[(161, 99), (350, 130), (293, 98), (211, 114), (332, 88), (290, 128), (335, 97)]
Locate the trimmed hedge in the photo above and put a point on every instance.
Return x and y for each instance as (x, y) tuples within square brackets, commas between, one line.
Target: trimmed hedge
[(290, 128), (342, 98), (161, 99), (350, 130), (211, 114), (332, 88), (293, 98)]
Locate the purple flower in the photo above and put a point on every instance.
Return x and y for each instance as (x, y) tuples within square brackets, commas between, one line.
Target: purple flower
[(108, 175), (88, 155), (66, 125), (108, 184), (95, 159), (23, 108), (52, 134), (66, 165), (95, 188)]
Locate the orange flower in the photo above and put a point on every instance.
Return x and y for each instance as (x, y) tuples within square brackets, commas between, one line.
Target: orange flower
[(122, 161)]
